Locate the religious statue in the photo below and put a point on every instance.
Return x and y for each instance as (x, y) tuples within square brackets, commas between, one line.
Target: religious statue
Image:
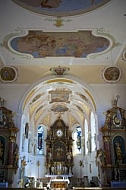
[(116, 101), (69, 157), (23, 164), (2, 102), (100, 157), (16, 156), (118, 151), (49, 155)]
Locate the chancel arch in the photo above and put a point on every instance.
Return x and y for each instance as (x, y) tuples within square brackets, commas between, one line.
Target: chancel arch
[(59, 113)]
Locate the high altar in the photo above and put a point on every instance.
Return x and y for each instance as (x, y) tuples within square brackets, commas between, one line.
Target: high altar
[(59, 154)]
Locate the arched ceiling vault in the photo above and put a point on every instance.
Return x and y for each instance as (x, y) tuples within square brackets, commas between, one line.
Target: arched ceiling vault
[(59, 97)]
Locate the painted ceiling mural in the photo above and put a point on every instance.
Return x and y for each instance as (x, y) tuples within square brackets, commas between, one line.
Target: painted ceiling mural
[(57, 44), (61, 7)]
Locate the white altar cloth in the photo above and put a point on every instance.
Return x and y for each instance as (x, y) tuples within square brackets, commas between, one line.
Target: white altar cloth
[(56, 176)]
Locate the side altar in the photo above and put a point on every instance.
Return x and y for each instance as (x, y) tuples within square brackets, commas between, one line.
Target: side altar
[(112, 159), (59, 154), (9, 150)]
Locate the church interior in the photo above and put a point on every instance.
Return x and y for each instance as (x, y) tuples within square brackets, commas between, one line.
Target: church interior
[(62, 94)]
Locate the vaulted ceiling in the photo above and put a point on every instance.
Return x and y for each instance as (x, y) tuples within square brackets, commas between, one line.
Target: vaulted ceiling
[(85, 40)]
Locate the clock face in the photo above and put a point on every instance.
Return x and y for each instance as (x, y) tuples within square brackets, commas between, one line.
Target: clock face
[(59, 133), (116, 121)]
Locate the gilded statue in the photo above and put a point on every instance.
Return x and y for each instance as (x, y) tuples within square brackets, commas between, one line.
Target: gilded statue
[(100, 157), (118, 151)]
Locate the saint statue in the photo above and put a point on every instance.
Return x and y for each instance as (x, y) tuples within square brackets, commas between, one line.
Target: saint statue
[(118, 151)]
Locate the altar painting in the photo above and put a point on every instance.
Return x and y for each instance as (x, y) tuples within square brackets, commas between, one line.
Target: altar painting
[(59, 152)]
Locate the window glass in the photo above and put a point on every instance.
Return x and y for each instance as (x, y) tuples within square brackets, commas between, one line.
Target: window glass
[(77, 140), (86, 137), (40, 147), (93, 133)]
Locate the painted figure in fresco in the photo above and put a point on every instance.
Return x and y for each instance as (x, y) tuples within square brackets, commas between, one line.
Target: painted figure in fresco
[(59, 152), (51, 3)]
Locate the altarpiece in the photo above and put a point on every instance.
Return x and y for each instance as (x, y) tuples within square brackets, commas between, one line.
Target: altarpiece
[(59, 154), (112, 157)]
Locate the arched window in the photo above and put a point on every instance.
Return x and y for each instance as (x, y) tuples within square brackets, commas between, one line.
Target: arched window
[(93, 132), (77, 140), (40, 140), (86, 137)]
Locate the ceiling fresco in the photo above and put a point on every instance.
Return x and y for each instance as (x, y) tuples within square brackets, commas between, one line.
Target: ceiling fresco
[(112, 74), (61, 95), (61, 7), (69, 44), (8, 74), (60, 107)]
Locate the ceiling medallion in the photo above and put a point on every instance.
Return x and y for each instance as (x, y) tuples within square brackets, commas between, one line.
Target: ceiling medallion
[(59, 71), (111, 74), (8, 74)]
